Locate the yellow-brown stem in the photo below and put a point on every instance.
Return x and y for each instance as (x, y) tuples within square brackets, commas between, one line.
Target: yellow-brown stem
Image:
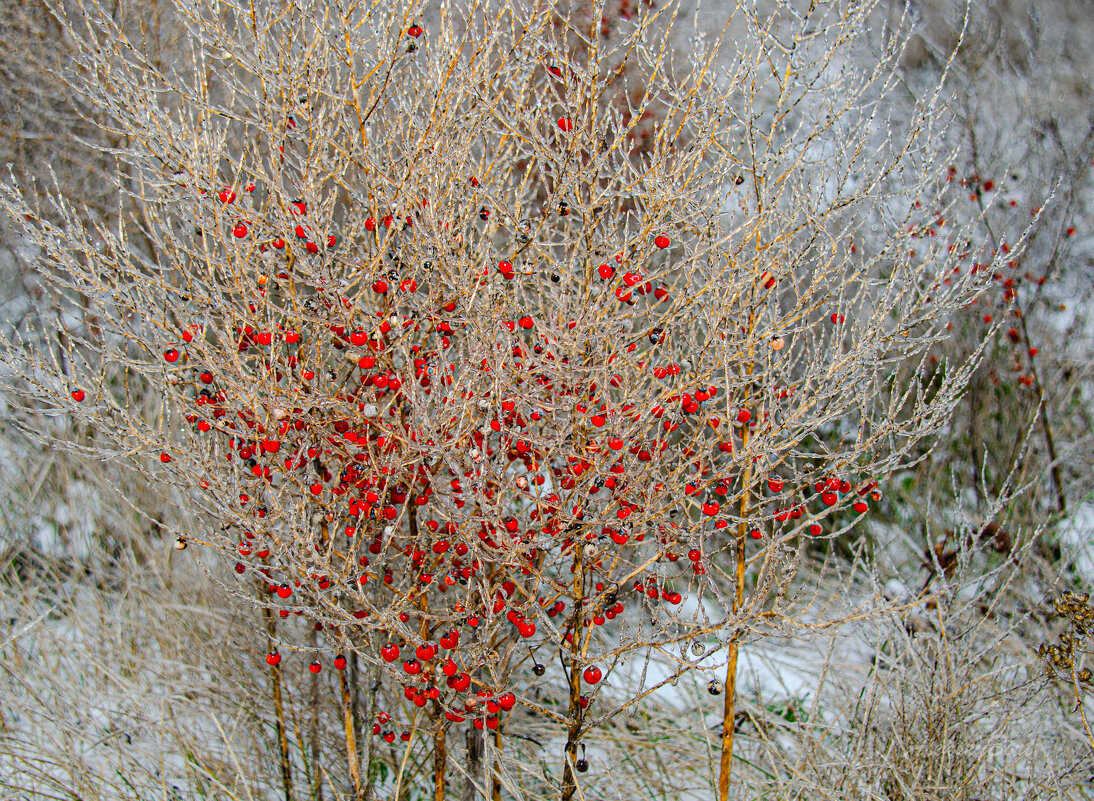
[(373, 690), (440, 755), (351, 737), (316, 776), (401, 792), (726, 763), (1079, 702), (475, 746), (279, 711), (569, 755), (726, 766)]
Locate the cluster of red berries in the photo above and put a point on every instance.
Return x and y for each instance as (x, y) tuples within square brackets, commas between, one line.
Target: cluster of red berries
[(430, 474)]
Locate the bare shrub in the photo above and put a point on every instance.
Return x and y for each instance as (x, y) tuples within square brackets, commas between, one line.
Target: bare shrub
[(460, 375), (1024, 139)]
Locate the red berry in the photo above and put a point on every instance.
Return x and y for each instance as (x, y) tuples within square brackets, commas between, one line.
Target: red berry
[(592, 674), (662, 241), (340, 662), (565, 124), (414, 30), (815, 529), (605, 271), (390, 652), (239, 230), (78, 395), (226, 195), (315, 667), (273, 658), (171, 355)]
